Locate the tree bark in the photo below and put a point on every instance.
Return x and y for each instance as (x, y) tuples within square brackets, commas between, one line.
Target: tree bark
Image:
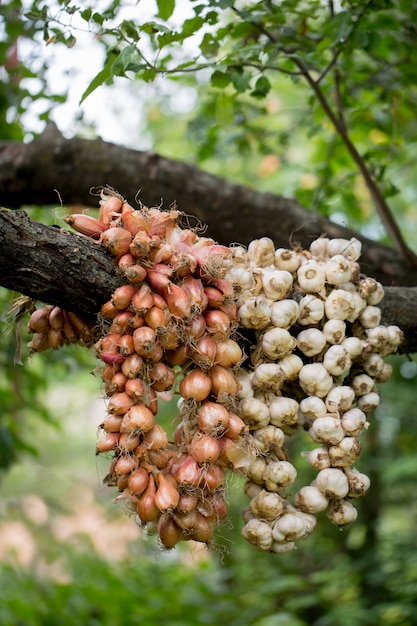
[(60, 267), (35, 173)]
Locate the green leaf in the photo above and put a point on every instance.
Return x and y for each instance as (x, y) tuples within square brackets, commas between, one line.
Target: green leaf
[(86, 14), (98, 80), (220, 79), (262, 87), (165, 8), (123, 60), (128, 27)]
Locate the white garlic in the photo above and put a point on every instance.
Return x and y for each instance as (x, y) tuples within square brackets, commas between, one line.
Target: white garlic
[(362, 384), (262, 252), (339, 304), (315, 380), (280, 548), (283, 411), (373, 365), (347, 452), (251, 489), (336, 360), (318, 458), (286, 260), (338, 270), (371, 290), (312, 407), (276, 283), (353, 345), (310, 499), (327, 429), (385, 375), (241, 279), (353, 422), (341, 512), (244, 379), (369, 402), (268, 377), (269, 438), (284, 313), (370, 316), (309, 520), (311, 341), (290, 365), (277, 342), (318, 247), (395, 336), (279, 474), (247, 514), (258, 534), (289, 527), (255, 313), (334, 331), (255, 471), (239, 255), (311, 277), (332, 482), (377, 337), (266, 505), (358, 483), (349, 248), (311, 310), (358, 306), (340, 399), (254, 413)]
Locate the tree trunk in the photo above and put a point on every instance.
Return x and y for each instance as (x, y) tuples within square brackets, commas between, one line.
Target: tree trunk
[(66, 269), (36, 173)]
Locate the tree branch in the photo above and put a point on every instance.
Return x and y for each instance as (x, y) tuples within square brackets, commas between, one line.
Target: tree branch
[(66, 269), (30, 174)]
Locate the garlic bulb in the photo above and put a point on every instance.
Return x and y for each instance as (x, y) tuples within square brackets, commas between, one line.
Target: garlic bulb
[(315, 380), (339, 304), (358, 483), (284, 313), (254, 413), (353, 346), (345, 453), (268, 377), (327, 429), (362, 384), (318, 458), (336, 360), (310, 499), (283, 411), (279, 474), (313, 407), (255, 313), (334, 331), (267, 505), (311, 277), (340, 399), (255, 471), (318, 247), (332, 482), (370, 317), (277, 342), (287, 260), (369, 402), (267, 439), (291, 365), (258, 533), (342, 512), (338, 270), (353, 422), (371, 290), (311, 310), (311, 341), (289, 527), (276, 283), (262, 252), (349, 248)]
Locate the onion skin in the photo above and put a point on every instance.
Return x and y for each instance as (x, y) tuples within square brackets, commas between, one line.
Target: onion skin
[(196, 385)]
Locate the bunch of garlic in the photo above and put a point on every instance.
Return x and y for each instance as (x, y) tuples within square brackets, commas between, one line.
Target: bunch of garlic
[(318, 354)]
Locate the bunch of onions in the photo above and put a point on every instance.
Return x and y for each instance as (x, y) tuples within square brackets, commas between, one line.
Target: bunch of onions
[(317, 357)]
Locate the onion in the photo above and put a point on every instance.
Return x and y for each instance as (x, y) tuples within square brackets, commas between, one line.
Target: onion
[(146, 507), (132, 365), (177, 300), (110, 206), (156, 438), (142, 300), (144, 340), (86, 225), (122, 296), (212, 418), (128, 442), (168, 530), (156, 317), (188, 472), (162, 377), (196, 385), (134, 387), (217, 322), (138, 481), (119, 403), (108, 442), (112, 423), (204, 353), (116, 241), (125, 464), (204, 448), (138, 417), (223, 382), (228, 353)]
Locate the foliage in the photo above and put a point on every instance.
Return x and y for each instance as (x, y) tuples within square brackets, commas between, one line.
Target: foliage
[(349, 67)]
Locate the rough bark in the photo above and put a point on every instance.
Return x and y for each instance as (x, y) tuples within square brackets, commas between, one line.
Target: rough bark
[(64, 268), (34, 173)]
